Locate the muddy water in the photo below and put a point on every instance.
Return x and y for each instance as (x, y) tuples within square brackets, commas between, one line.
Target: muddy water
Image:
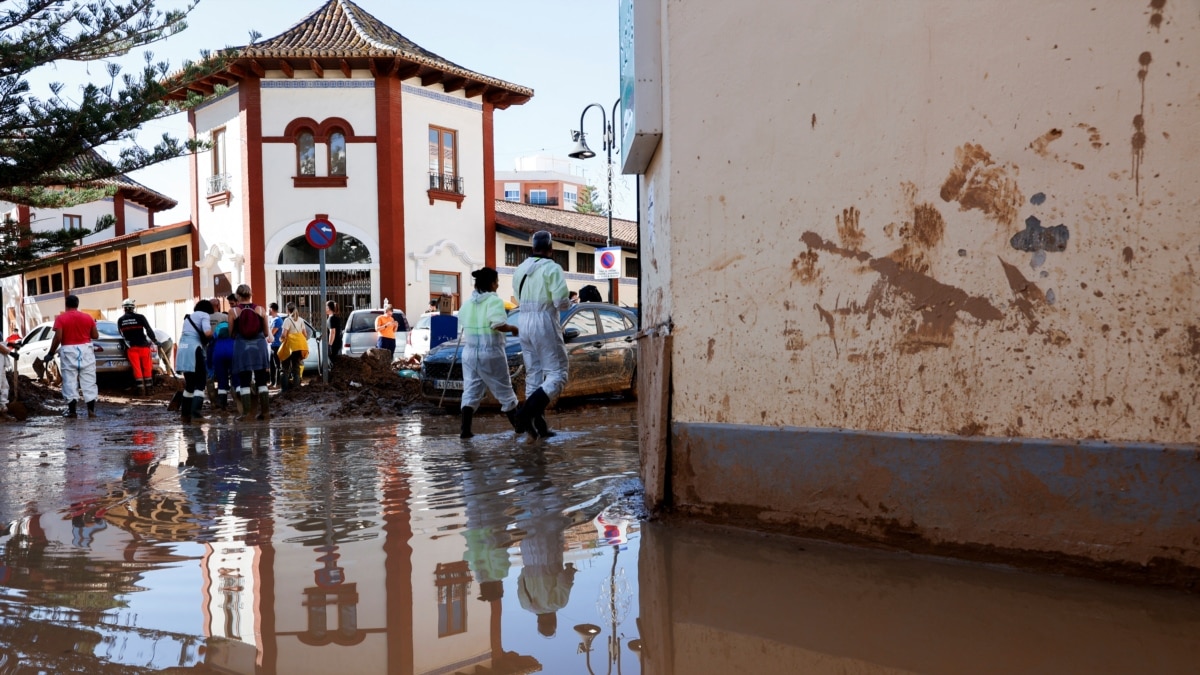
[(396, 547)]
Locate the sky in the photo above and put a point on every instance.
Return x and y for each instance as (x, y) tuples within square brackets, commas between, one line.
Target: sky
[(565, 50)]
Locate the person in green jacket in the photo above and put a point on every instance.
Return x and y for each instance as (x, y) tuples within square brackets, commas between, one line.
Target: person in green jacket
[(485, 365)]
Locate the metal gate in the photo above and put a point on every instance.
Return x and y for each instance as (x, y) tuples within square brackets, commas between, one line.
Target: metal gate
[(350, 289)]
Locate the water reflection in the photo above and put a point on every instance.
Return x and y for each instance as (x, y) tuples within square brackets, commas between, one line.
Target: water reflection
[(300, 549)]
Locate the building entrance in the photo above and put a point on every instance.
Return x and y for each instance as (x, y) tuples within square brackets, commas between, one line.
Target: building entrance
[(350, 289)]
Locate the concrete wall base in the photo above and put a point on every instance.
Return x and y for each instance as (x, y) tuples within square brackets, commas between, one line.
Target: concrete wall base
[(1127, 511)]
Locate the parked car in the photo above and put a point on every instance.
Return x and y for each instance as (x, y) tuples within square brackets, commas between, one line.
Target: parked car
[(360, 332), (312, 363), (601, 344), (109, 348), (418, 338)]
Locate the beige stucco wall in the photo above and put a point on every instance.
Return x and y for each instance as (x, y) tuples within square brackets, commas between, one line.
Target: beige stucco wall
[(837, 191)]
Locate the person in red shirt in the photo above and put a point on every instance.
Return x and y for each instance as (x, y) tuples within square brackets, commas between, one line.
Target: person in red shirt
[(74, 332)]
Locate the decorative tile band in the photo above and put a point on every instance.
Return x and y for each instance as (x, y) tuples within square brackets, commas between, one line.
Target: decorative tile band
[(439, 96), (110, 286), (318, 84)]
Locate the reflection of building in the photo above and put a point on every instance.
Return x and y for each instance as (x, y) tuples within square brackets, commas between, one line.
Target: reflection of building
[(343, 117)]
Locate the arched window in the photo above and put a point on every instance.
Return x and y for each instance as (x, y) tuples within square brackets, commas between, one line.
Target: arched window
[(337, 153), (306, 154), (346, 250)]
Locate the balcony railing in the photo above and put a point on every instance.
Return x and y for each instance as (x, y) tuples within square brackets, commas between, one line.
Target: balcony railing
[(445, 182), (539, 200), (218, 184)]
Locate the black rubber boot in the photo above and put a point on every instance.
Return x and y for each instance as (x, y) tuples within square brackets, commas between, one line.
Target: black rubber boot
[(514, 418), (534, 406), (185, 410), (543, 429), (264, 406), (91, 406), (197, 406), (71, 411), (467, 413), (223, 402)]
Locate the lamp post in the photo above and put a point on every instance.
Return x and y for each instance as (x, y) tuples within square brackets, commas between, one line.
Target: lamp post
[(582, 151)]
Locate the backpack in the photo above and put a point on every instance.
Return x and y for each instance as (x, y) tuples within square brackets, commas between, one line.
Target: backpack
[(221, 330), (249, 323)]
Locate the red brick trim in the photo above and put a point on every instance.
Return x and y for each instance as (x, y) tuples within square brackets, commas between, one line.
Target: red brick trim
[(125, 272), (319, 181), (320, 131), (119, 213), (489, 188), (389, 152), (250, 111), (194, 199)]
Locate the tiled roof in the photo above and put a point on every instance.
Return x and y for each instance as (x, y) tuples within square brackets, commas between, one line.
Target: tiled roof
[(572, 225), (135, 191), (342, 29)]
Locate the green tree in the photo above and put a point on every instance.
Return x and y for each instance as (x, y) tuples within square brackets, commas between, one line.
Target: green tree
[(586, 202), (48, 145)]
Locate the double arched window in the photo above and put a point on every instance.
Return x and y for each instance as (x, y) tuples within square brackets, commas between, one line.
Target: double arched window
[(308, 135)]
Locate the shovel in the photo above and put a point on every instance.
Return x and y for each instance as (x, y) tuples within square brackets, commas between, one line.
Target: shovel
[(15, 407)]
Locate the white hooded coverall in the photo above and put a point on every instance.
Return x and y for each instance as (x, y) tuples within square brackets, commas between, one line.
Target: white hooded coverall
[(542, 294), (4, 378), (483, 360)]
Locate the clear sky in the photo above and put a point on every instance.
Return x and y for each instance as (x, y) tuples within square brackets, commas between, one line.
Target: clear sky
[(566, 50)]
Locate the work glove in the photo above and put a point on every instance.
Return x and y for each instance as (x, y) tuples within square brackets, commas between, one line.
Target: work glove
[(15, 356), (47, 359)]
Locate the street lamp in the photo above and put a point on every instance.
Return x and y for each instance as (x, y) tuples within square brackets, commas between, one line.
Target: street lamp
[(582, 151)]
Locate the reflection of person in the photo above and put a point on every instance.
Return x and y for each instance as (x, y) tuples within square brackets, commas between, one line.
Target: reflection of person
[(189, 358), (75, 331), (544, 585), (138, 336), (248, 324), (542, 294), (485, 365), (385, 325)]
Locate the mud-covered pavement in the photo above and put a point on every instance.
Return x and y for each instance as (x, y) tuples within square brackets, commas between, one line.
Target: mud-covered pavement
[(322, 543)]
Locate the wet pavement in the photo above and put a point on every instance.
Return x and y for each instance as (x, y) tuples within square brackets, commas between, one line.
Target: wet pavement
[(368, 546)]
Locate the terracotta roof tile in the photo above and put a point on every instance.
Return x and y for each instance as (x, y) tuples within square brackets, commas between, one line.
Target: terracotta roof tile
[(568, 224), (342, 29)]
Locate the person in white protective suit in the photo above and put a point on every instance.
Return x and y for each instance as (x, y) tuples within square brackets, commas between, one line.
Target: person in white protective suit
[(542, 294), (74, 332), (485, 366)]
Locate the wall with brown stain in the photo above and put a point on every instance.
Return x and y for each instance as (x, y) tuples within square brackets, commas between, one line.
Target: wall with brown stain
[(865, 272)]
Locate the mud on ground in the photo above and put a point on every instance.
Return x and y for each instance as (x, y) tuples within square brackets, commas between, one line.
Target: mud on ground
[(368, 386)]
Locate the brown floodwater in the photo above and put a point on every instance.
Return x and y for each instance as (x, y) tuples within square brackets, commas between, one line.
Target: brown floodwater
[(396, 547)]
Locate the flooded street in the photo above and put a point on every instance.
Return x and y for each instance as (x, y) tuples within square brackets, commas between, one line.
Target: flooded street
[(396, 547)]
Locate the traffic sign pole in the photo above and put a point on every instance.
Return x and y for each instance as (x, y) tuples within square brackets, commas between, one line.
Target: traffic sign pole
[(321, 234)]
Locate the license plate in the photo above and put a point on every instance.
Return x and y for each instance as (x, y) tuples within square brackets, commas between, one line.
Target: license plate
[(448, 384)]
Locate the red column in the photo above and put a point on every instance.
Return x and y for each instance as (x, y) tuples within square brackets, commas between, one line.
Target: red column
[(389, 152), (250, 107), (119, 213), (193, 180), (489, 189)]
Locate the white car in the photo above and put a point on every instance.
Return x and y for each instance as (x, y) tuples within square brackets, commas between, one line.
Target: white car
[(109, 348)]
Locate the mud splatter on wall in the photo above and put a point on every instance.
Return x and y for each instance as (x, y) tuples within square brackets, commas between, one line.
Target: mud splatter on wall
[(1138, 142), (978, 182), (1156, 13)]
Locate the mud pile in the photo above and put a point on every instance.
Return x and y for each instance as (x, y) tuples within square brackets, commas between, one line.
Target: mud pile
[(39, 399), (368, 386)]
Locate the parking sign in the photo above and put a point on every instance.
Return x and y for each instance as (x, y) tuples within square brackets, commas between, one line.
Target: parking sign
[(608, 263)]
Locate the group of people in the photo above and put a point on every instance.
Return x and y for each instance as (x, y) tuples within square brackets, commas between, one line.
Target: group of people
[(541, 293), (240, 348)]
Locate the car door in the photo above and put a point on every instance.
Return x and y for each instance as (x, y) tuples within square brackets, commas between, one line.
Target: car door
[(585, 373), (33, 347), (619, 348)]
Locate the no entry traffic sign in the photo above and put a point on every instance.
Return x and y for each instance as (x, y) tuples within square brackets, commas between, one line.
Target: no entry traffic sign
[(608, 263), (320, 234)]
